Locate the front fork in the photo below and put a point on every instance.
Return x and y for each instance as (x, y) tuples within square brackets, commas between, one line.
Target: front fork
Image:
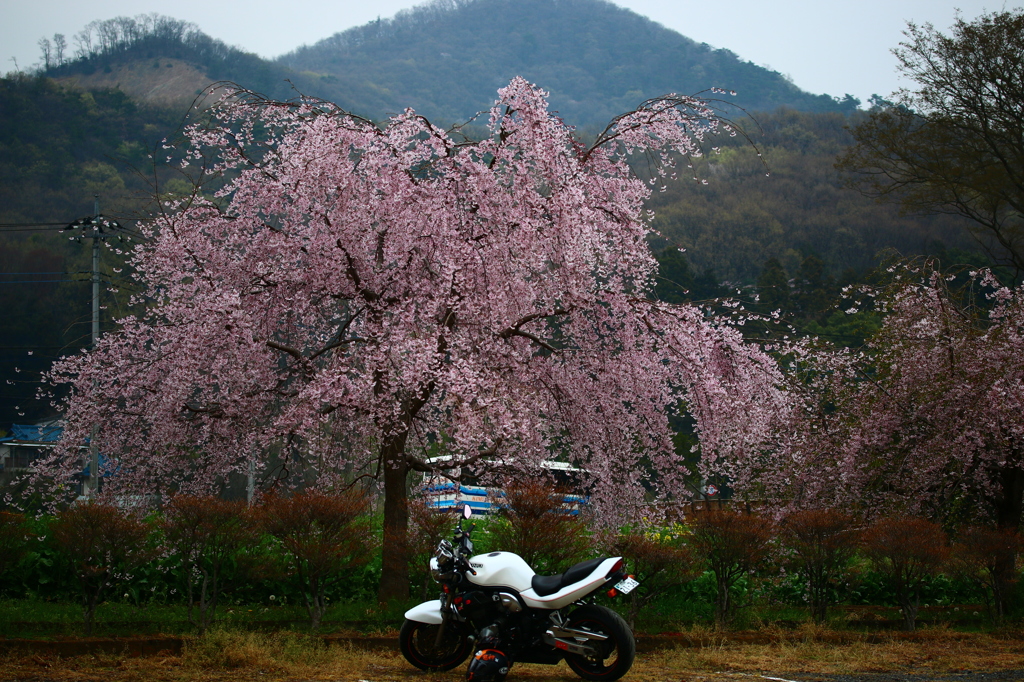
[(445, 615)]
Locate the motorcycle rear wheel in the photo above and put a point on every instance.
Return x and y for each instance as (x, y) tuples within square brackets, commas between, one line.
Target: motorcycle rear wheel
[(417, 642), (617, 652)]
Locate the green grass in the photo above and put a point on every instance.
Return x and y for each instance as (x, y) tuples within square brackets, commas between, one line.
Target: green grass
[(675, 611), (35, 618)]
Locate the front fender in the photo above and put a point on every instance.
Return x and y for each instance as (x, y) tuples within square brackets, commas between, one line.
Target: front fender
[(428, 612)]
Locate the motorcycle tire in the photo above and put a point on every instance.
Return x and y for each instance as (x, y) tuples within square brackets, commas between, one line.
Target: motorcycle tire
[(417, 642), (617, 652)]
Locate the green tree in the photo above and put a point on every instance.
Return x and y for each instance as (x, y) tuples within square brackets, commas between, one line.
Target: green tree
[(773, 286), (954, 143), (675, 277), (814, 288)]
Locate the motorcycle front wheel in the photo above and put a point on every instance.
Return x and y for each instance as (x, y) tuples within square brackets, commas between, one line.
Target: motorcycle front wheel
[(616, 653), (420, 647)]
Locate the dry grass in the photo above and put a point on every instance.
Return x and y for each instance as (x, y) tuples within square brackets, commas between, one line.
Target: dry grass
[(931, 651), (219, 656), (237, 657)]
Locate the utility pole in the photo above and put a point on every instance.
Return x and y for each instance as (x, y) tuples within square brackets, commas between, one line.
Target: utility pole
[(97, 228)]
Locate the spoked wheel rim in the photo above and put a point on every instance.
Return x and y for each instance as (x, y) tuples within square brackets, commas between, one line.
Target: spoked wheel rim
[(425, 641), (420, 646)]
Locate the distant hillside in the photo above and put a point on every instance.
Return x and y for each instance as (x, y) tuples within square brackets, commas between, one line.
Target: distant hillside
[(163, 61), (743, 217), (162, 82), (447, 58), (59, 147)]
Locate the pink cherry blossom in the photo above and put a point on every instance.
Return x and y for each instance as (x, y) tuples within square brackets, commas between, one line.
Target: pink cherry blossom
[(356, 299), (928, 419)]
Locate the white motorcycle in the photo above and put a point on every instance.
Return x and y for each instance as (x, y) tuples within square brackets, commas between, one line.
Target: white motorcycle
[(496, 606)]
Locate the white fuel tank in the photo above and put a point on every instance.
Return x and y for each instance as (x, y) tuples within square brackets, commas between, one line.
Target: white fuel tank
[(500, 569)]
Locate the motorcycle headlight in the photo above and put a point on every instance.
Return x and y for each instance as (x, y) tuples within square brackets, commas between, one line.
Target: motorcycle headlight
[(444, 553), (442, 561)]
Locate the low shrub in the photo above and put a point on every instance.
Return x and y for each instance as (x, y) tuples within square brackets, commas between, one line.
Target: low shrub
[(987, 558), (907, 551), (325, 537), (819, 544), (207, 534), (13, 541), (732, 545), (103, 544), (659, 559)]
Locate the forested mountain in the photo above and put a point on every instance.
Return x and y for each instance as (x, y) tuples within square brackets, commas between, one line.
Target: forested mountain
[(447, 58), (788, 203), (58, 148)]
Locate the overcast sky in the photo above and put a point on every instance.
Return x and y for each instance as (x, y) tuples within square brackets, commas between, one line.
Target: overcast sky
[(833, 46)]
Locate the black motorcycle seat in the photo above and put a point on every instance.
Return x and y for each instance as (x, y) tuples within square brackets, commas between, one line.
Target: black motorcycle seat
[(544, 585)]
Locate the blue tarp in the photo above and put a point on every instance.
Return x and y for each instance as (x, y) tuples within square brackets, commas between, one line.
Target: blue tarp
[(39, 433), (48, 433)]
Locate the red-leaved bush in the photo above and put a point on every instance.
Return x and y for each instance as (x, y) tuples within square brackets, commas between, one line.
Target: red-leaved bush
[(820, 544), (988, 558), (658, 558), (324, 534), (731, 544), (207, 533), (908, 551), (103, 543), (427, 527)]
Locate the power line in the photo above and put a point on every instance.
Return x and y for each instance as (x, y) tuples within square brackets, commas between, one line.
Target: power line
[(44, 227), (110, 282), (27, 229), (54, 272)]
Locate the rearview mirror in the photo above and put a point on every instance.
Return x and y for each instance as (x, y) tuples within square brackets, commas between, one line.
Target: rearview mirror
[(466, 511)]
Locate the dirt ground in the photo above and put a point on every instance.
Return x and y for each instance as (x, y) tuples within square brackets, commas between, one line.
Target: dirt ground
[(938, 657)]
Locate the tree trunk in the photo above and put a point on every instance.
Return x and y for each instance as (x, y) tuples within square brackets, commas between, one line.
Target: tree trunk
[(1010, 505), (394, 578), (909, 597), (910, 614), (723, 605), (817, 586), (1009, 508)]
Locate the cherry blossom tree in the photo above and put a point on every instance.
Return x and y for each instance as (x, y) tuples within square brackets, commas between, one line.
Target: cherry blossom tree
[(929, 419), (356, 299)]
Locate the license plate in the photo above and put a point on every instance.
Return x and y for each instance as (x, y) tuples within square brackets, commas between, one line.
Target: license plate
[(627, 585)]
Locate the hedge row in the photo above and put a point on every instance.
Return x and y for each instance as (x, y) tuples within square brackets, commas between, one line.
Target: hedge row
[(315, 547)]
